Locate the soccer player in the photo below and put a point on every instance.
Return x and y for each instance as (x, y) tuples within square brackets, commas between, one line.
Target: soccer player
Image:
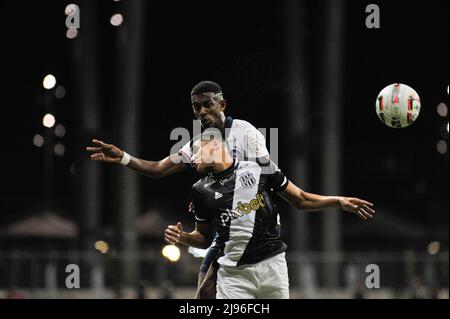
[(236, 200), (208, 103)]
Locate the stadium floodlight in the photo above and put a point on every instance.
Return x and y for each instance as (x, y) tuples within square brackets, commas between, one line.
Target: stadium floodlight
[(171, 252), (442, 109), (70, 9), (116, 19), (60, 130), (60, 92), (49, 82), (441, 147), (102, 246), (433, 248), (38, 140), (48, 120), (60, 149), (71, 33)]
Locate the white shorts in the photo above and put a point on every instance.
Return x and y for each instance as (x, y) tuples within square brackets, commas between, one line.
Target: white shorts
[(267, 279)]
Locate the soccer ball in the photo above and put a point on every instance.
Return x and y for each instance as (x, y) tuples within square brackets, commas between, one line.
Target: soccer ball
[(398, 105)]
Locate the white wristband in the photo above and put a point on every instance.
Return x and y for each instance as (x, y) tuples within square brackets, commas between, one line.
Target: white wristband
[(125, 159)]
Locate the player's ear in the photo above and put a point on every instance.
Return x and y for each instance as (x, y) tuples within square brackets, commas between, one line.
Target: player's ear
[(223, 105), (215, 147)]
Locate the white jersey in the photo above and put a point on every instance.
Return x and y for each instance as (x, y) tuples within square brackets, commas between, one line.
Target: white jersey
[(244, 141)]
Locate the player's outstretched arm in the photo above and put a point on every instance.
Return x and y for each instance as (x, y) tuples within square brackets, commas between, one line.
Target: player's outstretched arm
[(110, 153), (198, 238), (311, 202)]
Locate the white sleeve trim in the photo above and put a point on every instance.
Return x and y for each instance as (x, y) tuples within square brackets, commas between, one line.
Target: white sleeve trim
[(285, 180)]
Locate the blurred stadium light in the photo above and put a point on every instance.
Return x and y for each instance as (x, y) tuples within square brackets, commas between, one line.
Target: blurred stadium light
[(48, 120), (49, 81), (116, 19), (171, 252)]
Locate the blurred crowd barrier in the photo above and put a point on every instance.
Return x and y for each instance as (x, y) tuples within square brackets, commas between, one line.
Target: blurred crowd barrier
[(405, 274)]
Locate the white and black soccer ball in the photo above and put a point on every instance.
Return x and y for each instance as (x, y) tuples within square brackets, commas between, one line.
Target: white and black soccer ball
[(398, 105)]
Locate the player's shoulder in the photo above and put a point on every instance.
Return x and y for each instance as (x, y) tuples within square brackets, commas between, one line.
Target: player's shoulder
[(200, 186), (242, 124), (242, 165), (268, 167)]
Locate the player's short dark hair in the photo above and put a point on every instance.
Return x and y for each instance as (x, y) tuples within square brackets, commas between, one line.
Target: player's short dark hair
[(206, 86)]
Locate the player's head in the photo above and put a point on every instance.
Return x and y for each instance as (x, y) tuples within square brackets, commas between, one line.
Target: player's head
[(209, 152), (208, 104)]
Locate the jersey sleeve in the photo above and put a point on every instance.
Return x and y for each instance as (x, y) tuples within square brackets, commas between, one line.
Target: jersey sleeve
[(202, 214), (254, 143), (277, 181)]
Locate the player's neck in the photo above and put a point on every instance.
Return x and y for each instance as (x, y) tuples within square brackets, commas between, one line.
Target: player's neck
[(221, 167), (221, 125), (224, 165)]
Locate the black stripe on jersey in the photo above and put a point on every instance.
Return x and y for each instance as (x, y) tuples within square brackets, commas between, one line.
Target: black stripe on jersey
[(266, 239)]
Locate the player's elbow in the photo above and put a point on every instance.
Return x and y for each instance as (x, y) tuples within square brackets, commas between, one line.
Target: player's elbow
[(300, 201), (156, 171), (205, 240), (156, 175)]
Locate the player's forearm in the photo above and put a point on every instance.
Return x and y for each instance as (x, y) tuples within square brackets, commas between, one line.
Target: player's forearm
[(314, 202), (195, 239), (156, 169), (148, 168), (308, 201)]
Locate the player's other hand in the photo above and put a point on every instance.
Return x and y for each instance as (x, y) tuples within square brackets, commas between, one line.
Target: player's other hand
[(173, 233), (357, 206), (105, 152)]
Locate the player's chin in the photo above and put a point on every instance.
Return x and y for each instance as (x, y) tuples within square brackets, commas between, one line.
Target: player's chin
[(203, 168), (200, 169), (206, 123)]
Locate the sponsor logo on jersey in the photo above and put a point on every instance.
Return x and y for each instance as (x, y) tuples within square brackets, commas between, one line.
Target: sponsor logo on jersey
[(227, 179), (222, 181), (217, 195), (242, 209)]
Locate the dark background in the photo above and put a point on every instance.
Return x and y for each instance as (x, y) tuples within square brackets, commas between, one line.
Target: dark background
[(241, 46)]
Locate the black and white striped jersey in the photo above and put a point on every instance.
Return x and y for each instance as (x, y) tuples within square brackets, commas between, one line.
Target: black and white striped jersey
[(239, 202)]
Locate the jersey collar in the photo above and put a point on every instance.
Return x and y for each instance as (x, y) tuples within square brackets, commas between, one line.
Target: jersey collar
[(228, 122), (227, 171)]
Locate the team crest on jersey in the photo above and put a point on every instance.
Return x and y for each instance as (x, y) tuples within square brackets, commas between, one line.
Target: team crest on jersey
[(247, 179)]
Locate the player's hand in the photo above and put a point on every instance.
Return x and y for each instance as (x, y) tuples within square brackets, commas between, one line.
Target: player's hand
[(357, 206), (173, 233), (105, 152)]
